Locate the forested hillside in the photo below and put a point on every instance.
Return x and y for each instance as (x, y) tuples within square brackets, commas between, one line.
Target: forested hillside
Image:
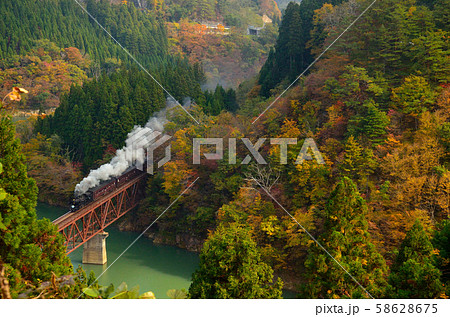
[(77, 40), (64, 23), (234, 13), (103, 112), (376, 103), (30, 249), (228, 55), (47, 71), (61, 56), (292, 52), (227, 59), (101, 89), (395, 47)]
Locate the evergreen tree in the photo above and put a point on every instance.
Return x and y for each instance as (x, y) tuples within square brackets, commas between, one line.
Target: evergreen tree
[(413, 274), (204, 9), (430, 52), (14, 178), (387, 37), (218, 101), (231, 267), (62, 22), (370, 124), (345, 236), (230, 100), (269, 74), (2, 196), (414, 96), (291, 45), (442, 14), (141, 32), (102, 113), (441, 241), (291, 55), (31, 249), (286, 60), (428, 3)]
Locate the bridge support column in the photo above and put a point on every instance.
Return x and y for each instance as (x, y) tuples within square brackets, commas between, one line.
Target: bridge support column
[(94, 251)]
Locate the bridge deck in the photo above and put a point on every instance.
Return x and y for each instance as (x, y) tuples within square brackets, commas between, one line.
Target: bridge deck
[(80, 226), (70, 217)]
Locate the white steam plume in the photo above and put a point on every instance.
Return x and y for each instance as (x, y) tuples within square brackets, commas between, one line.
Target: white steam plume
[(129, 154)]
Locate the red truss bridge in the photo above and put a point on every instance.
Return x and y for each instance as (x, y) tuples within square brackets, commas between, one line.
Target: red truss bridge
[(107, 203)]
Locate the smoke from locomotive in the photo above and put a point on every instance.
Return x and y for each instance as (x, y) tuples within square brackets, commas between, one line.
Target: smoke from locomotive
[(128, 155)]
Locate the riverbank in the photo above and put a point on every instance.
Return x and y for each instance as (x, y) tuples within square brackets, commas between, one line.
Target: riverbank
[(155, 268), (194, 244), (155, 264)]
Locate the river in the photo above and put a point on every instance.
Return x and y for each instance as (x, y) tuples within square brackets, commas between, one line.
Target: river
[(155, 268)]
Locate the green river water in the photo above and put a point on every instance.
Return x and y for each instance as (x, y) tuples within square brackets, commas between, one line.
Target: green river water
[(155, 268)]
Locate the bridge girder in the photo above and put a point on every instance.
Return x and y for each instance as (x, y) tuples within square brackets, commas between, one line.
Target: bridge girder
[(82, 225)]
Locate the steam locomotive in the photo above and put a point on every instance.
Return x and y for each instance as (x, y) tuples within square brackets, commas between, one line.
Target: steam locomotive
[(104, 189)]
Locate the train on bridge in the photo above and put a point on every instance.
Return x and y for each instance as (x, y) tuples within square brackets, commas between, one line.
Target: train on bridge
[(104, 189)]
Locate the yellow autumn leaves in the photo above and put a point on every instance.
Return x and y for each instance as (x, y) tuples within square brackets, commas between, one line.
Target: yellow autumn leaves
[(16, 94)]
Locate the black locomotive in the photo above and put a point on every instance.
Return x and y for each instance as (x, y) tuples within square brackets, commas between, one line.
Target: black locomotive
[(104, 188)]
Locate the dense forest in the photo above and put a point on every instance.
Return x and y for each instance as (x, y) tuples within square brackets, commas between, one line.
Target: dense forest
[(228, 56), (77, 40), (292, 52), (62, 22), (233, 13), (377, 104), (141, 32), (378, 110)]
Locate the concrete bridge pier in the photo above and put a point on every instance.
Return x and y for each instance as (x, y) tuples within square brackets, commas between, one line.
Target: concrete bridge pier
[(94, 251)]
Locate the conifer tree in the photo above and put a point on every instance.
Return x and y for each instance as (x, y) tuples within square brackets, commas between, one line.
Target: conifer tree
[(14, 178), (442, 14), (370, 124), (413, 274), (231, 267), (287, 57), (291, 55), (441, 241), (30, 249), (269, 74), (103, 112), (345, 236), (230, 101), (414, 96)]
